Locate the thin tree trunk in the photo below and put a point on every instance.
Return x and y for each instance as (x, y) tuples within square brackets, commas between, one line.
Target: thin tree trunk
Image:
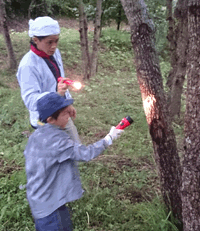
[(83, 28), (191, 162), (172, 42), (45, 7), (119, 16), (30, 8), (97, 31), (104, 6), (3, 19), (154, 102), (180, 58)]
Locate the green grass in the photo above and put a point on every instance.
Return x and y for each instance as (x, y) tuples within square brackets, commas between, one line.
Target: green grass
[(121, 186)]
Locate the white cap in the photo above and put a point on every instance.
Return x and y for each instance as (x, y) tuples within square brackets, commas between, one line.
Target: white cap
[(43, 26)]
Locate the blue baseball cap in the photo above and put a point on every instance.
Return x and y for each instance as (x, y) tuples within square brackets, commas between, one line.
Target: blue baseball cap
[(50, 103)]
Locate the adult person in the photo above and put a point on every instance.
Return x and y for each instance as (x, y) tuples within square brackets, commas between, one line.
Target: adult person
[(40, 68)]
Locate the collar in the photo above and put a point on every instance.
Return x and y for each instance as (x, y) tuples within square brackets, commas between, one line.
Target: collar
[(42, 54), (40, 124)]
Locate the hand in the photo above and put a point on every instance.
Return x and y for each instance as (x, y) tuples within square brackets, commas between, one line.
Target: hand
[(62, 87), (72, 111), (113, 135)]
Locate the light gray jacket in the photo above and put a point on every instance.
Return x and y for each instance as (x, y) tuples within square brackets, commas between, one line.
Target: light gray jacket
[(36, 79), (52, 174)]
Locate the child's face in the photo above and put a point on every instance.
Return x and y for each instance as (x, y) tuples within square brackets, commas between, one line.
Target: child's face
[(62, 119), (48, 44)]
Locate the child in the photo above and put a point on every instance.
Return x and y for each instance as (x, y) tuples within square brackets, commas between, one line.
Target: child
[(51, 155)]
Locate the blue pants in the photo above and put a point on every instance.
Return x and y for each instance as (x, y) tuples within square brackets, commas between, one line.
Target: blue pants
[(59, 220)]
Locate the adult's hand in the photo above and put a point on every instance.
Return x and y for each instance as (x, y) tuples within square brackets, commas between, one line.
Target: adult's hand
[(62, 87)]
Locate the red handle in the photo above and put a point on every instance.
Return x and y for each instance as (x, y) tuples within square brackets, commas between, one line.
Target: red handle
[(68, 82)]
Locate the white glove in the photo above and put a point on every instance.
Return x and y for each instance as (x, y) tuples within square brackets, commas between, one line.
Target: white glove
[(113, 135)]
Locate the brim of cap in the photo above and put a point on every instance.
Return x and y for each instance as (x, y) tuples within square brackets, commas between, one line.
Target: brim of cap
[(67, 102)]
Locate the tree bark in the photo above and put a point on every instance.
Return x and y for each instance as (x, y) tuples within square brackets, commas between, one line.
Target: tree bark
[(83, 28), (178, 57), (30, 8), (3, 19), (119, 16), (172, 42), (191, 161), (97, 31), (154, 102)]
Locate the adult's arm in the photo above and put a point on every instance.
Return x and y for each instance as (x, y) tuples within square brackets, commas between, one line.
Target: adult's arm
[(30, 85)]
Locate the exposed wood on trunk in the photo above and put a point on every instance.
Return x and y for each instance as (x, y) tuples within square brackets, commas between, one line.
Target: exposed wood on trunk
[(191, 162), (3, 19), (97, 31), (154, 101)]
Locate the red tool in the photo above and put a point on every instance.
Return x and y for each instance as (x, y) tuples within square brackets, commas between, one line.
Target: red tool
[(73, 83), (125, 122)]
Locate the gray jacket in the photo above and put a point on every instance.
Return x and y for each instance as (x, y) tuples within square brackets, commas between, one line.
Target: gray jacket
[(36, 79), (52, 174)]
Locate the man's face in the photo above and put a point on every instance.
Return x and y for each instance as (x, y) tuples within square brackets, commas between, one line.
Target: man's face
[(48, 44)]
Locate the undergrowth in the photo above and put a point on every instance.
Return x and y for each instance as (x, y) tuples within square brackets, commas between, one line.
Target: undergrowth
[(121, 186)]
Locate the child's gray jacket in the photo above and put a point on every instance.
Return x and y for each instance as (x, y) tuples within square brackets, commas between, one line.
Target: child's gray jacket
[(52, 173)]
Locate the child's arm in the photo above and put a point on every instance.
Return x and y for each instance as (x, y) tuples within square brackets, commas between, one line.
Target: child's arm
[(67, 149)]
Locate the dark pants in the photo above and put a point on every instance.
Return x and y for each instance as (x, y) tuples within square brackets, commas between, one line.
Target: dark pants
[(59, 220)]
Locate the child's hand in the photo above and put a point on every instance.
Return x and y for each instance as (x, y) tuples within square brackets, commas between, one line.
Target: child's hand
[(62, 87), (113, 135), (72, 111)]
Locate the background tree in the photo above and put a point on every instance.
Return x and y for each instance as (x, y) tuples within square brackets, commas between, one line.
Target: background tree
[(11, 54), (83, 30), (191, 162), (89, 60), (97, 27), (154, 101), (178, 40)]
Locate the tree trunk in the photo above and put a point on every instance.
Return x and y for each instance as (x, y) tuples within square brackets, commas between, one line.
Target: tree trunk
[(30, 8), (172, 42), (83, 28), (104, 7), (119, 16), (3, 19), (97, 31), (178, 58), (191, 161), (154, 102), (45, 7)]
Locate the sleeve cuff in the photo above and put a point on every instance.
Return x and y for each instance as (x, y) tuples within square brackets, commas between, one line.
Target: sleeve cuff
[(108, 139)]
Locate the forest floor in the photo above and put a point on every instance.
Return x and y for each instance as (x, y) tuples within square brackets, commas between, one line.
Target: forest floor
[(21, 24)]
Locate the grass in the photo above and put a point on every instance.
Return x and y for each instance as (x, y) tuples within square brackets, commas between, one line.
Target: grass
[(121, 186)]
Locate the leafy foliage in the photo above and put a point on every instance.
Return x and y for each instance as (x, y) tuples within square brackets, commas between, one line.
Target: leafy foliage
[(15, 211)]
